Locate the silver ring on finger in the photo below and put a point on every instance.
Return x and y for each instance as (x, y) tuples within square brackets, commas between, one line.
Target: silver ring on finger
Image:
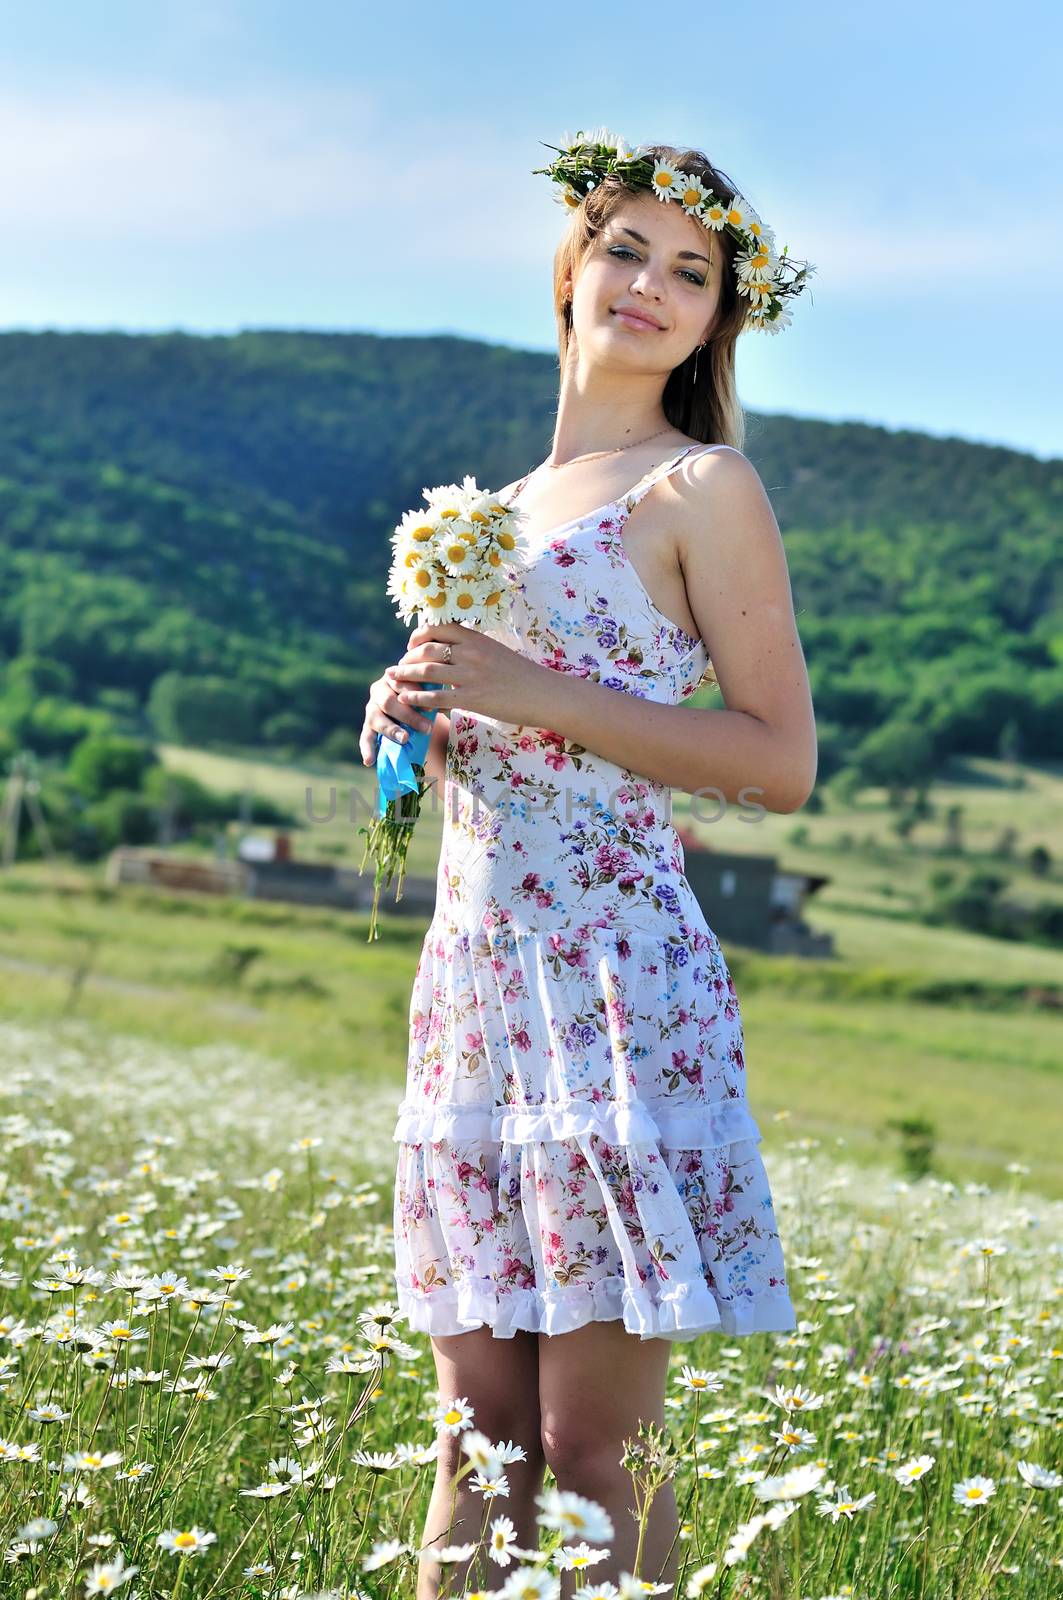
[(447, 653)]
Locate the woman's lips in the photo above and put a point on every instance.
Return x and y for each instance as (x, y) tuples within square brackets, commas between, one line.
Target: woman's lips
[(629, 320)]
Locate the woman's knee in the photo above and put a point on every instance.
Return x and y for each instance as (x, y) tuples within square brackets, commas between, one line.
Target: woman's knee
[(579, 1451), (499, 1381), (502, 1425)]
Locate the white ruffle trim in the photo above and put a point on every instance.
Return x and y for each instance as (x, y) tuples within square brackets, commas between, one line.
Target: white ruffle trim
[(682, 1312), (677, 1127)]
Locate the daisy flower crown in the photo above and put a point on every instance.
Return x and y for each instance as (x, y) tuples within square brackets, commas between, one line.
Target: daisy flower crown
[(767, 278)]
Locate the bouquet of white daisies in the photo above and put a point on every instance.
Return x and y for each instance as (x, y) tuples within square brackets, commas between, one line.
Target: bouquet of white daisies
[(454, 560)]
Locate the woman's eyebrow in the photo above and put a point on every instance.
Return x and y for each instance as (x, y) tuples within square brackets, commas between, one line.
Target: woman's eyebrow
[(684, 255)]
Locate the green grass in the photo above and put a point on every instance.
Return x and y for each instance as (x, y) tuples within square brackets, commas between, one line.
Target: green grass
[(335, 1009), (927, 1338)]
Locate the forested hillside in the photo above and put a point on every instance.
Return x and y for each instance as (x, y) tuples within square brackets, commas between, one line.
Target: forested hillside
[(194, 541)]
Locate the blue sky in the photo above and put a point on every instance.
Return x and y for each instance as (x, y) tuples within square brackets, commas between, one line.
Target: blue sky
[(212, 165)]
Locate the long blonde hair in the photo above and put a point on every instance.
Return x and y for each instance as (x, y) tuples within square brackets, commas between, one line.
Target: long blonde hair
[(710, 409)]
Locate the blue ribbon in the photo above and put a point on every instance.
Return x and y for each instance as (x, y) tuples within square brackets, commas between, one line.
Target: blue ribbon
[(395, 758)]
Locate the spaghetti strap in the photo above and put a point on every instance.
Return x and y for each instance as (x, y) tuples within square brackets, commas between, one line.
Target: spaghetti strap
[(665, 470), (512, 493)]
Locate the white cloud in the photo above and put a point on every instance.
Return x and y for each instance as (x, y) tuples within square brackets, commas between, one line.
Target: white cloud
[(183, 167), (167, 163), (906, 253)]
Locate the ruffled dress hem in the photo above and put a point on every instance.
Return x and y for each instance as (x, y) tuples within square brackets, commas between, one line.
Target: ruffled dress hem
[(682, 1127), (681, 1313), (653, 1308)]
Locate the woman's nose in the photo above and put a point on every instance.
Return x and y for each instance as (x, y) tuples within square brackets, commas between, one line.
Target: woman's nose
[(646, 282)]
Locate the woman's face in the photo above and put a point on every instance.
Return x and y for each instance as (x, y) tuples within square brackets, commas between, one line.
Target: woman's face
[(654, 258)]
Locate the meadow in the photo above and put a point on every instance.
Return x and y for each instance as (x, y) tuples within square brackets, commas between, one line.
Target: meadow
[(206, 1392), (204, 1387)]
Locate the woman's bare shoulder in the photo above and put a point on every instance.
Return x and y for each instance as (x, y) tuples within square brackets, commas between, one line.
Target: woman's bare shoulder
[(724, 494)]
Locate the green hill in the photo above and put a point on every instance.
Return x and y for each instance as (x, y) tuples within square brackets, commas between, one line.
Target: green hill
[(214, 512)]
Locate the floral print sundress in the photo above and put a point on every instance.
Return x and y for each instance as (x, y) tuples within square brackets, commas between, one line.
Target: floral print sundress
[(575, 1141)]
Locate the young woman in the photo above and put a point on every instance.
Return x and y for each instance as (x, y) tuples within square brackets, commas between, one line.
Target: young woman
[(578, 1180)]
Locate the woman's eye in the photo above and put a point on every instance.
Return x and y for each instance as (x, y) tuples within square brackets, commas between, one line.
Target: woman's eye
[(627, 251)]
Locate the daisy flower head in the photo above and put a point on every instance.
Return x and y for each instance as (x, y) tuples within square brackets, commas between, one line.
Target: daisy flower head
[(375, 1460), (185, 1541), (699, 1379), (756, 266), (107, 1577), (383, 1551), (742, 1538), (757, 291), (790, 1485), (481, 1452), (713, 215), (489, 1485), (737, 212), (843, 1505), (973, 1491), (667, 180), (502, 1542), (453, 1415), (604, 135), (774, 319), (38, 1528), (794, 1438), (691, 192), (796, 1399), (454, 1552), (918, 1467), (576, 1516), (382, 1314), (578, 1557), (1039, 1477), (527, 1583), (758, 229), (565, 195)]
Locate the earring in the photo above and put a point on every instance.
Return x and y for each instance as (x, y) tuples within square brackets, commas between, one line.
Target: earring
[(697, 350)]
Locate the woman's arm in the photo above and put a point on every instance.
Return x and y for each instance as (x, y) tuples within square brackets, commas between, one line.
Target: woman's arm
[(763, 740)]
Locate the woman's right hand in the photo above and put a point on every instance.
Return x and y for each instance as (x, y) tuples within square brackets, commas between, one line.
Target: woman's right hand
[(387, 712)]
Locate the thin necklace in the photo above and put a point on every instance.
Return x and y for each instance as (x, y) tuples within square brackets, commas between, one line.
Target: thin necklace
[(592, 455)]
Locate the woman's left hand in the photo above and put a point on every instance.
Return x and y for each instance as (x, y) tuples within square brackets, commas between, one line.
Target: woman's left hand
[(482, 676)]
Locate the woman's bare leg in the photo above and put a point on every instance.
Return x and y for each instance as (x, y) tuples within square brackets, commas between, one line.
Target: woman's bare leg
[(595, 1384), (500, 1380)]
